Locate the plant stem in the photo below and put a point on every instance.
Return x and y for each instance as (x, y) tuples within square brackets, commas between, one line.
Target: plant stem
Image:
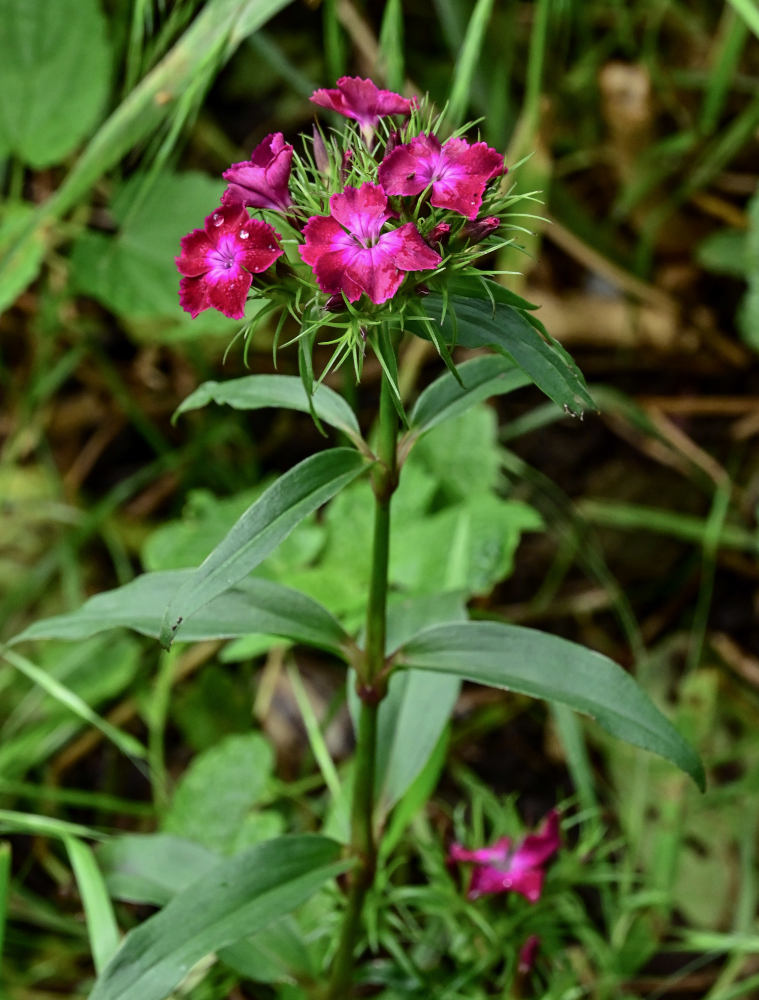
[(371, 689)]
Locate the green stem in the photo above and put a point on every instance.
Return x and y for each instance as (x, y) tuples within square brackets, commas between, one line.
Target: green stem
[(371, 689)]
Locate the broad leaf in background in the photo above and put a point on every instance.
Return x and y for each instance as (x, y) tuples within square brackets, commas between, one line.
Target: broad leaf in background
[(253, 392), (481, 378), (215, 795), (546, 666), (232, 900), (54, 76), (132, 271), (270, 519), (250, 606), (152, 867), (495, 322), (204, 522), (736, 252)]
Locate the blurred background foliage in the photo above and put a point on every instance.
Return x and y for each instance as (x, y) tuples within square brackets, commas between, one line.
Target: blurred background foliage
[(636, 528)]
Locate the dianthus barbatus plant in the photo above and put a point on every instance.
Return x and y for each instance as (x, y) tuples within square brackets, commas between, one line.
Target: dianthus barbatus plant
[(369, 234)]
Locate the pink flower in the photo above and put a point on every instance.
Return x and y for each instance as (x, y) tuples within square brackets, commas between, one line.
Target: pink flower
[(219, 261), (500, 868), (349, 253), (456, 172), (261, 182), (363, 101), (527, 954)]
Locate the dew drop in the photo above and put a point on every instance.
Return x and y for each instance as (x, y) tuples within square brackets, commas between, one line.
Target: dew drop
[(244, 234), (217, 218), (272, 247)]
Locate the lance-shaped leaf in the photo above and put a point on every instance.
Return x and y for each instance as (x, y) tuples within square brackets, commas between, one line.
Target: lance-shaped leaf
[(251, 606), (261, 528), (546, 666), (233, 899), (253, 392), (493, 321), (446, 397)]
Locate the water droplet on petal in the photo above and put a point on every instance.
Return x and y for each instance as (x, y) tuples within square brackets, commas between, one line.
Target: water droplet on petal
[(218, 218), (244, 234), (272, 246)]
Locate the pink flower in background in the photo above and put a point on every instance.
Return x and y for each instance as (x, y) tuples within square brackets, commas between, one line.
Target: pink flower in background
[(261, 181), (218, 262), (503, 868), (457, 172), (527, 954), (363, 101), (349, 252)]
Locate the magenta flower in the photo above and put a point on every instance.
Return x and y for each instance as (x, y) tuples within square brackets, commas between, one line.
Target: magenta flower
[(527, 954), (363, 101), (261, 181), (219, 261), (457, 172), (349, 252), (501, 868)]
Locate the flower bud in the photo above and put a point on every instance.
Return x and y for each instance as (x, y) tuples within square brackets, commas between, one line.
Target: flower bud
[(479, 229), (320, 152)]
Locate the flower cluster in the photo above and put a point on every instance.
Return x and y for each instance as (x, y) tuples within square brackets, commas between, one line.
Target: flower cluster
[(362, 218)]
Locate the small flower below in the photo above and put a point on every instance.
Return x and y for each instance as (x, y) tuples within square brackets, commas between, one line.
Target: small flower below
[(527, 954), (350, 254), (262, 181), (457, 172), (502, 868), (218, 262), (363, 101)]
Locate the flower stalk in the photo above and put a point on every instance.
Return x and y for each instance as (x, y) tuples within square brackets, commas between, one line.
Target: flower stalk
[(371, 685)]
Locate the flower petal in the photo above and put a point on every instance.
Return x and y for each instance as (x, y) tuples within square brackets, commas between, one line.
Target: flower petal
[(193, 259), (409, 168), (193, 296), (228, 293), (495, 853), (408, 250), (538, 847), (361, 100), (262, 181), (362, 211), (486, 879)]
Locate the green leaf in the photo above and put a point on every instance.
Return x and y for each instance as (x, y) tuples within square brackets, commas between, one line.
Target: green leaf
[(54, 76), (254, 392), (279, 951), (546, 666), (152, 867), (261, 528), (5, 888), (492, 321), (251, 606), (101, 924), (43, 826), (127, 743), (218, 790), (481, 378), (20, 269), (234, 899), (132, 272), (725, 252), (748, 313)]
